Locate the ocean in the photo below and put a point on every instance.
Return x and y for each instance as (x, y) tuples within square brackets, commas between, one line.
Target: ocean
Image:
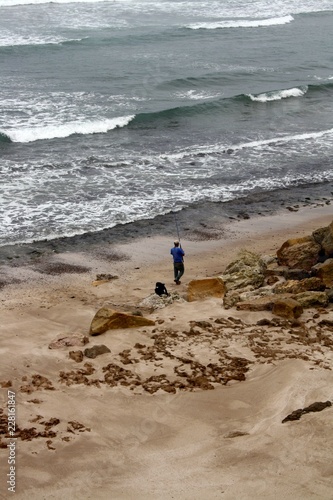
[(114, 112)]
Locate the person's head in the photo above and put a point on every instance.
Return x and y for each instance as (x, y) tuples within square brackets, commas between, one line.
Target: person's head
[(176, 243)]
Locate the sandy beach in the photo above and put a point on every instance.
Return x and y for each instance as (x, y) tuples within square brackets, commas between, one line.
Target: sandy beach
[(129, 441)]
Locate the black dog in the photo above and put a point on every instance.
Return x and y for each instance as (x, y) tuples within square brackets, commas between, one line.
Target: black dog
[(160, 289)]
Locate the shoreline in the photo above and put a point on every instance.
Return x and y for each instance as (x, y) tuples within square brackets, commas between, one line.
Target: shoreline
[(201, 222), (71, 272)]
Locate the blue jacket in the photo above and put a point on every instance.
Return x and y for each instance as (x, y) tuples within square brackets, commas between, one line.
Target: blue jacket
[(177, 254)]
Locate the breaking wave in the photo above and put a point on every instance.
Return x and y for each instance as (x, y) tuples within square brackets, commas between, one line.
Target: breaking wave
[(65, 130), (241, 23), (278, 94), (4, 138), (15, 41)]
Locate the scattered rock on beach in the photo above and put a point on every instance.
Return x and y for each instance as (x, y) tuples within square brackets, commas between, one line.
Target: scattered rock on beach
[(76, 356), (154, 301), (38, 382), (6, 383), (77, 339), (96, 350), (314, 407)]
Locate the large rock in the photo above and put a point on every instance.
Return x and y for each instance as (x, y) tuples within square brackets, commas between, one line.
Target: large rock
[(312, 299), (257, 304), (287, 308), (249, 296), (248, 269), (324, 237), (204, 288), (299, 286), (109, 319), (299, 253), (324, 271)]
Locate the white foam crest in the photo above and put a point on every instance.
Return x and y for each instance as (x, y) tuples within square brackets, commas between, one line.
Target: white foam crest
[(238, 23), (67, 129), (197, 95), (14, 40), (13, 3), (218, 148), (286, 139), (278, 95)]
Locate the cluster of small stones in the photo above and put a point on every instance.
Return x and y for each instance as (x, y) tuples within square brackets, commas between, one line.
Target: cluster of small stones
[(42, 429), (38, 382)]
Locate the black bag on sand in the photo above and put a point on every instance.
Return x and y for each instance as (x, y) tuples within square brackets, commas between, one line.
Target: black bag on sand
[(160, 289)]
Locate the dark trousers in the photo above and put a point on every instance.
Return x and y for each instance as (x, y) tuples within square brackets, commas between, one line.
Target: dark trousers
[(178, 268)]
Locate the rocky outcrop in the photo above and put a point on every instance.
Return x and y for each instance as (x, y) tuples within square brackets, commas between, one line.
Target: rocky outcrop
[(267, 302), (312, 299), (109, 319), (246, 273), (257, 304), (247, 270), (295, 286), (324, 237), (245, 295), (204, 288), (324, 271), (329, 294), (299, 253), (300, 277)]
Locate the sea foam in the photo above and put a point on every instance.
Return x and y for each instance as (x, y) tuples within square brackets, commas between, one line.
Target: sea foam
[(241, 23), (66, 130), (278, 95), (12, 40), (12, 3), (285, 139)]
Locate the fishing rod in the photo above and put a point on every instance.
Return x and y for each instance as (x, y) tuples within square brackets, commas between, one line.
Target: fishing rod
[(178, 235)]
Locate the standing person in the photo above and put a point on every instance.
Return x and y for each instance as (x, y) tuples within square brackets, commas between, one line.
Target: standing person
[(178, 263)]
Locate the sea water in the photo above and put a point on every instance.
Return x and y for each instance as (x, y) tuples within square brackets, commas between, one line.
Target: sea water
[(117, 111)]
